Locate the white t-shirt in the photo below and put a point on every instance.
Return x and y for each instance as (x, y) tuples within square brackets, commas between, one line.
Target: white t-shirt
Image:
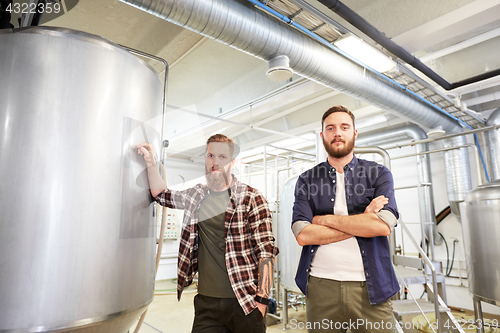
[(342, 260)]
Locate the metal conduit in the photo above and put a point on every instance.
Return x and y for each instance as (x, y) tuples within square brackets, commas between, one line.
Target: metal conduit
[(403, 132), (457, 172), (375, 150), (494, 144), (239, 25)]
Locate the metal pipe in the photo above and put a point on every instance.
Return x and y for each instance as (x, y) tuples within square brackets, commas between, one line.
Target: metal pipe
[(277, 230), (494, 144), (387, 162), (262, 172), (271, 154), (402, 132), (165, 87), (457, 167), (239, 25), (299, 158), (478, 314), (257, 154), (285, 308), (274, 316), (375, 150), (413, 186), (236, 123), (469, 145), (292, 150), (265, 171), (448, 136), (234, 23)]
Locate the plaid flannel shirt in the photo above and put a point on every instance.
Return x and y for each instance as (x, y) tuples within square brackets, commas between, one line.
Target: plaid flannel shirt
[(249, 237)]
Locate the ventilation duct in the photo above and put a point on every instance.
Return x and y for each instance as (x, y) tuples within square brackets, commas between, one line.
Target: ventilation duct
[(494, 144), (400, 133), (457, 172), (239, 25)]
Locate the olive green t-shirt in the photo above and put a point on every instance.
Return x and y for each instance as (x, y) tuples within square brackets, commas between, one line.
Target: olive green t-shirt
[(213, 279)]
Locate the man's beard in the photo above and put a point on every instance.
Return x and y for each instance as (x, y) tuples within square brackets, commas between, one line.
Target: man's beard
[(216, 180), (339, 152)]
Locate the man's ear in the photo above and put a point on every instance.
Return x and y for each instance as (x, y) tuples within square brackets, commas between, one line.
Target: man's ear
[(355, 134)]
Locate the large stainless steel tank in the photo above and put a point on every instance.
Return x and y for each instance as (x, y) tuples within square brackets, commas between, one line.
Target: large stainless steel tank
[(289, 249), (481, 229), (77, 238)]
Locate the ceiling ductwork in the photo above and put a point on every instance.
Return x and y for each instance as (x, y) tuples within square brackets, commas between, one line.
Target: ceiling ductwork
[(457, 172), (494, 145), (238, 24), (399, 133), (357, 21)]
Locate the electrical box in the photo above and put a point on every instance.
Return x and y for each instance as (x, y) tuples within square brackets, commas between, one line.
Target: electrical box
[(172, 225)]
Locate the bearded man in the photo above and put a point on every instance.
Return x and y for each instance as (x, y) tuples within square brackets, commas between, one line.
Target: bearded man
[(344, 209), (227, 238)]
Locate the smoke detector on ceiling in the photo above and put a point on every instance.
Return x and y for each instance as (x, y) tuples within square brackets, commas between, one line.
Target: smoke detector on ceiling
[(436, 133), (279, 69)]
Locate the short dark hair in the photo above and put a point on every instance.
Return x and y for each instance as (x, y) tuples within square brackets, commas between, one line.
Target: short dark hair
[(337, 108), (234, 148)]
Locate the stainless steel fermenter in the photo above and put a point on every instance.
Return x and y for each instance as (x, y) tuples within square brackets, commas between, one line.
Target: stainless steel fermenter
[(77, 237), (481, 231)]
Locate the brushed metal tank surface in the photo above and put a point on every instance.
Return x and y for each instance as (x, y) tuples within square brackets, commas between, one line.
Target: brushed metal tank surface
[(286, 240), (481, 231), (77, 236)]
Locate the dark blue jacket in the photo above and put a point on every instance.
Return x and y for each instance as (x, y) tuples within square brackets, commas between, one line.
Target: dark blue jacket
[(364, 181)]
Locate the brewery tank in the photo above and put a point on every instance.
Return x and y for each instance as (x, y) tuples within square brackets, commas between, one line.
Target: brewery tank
[(77, 236), (481, 232), (289, 247)]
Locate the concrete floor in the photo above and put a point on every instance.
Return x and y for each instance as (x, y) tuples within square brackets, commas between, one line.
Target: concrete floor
[(165, 314)]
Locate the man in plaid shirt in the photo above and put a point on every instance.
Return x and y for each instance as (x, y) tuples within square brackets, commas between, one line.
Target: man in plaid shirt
[(226, 237)]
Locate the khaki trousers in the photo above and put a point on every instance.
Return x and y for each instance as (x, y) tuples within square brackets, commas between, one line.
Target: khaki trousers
[(339, 306)]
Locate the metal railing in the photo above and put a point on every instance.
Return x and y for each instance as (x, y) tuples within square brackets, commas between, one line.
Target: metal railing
[(427, 262)]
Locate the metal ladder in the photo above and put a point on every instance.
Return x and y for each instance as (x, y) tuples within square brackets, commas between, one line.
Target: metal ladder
[(418, 274)]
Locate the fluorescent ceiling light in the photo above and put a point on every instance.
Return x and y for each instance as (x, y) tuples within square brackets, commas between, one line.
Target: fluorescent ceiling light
[(365, 53)]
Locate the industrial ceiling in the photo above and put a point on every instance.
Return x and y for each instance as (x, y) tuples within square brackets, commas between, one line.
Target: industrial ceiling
[(215, 88)]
